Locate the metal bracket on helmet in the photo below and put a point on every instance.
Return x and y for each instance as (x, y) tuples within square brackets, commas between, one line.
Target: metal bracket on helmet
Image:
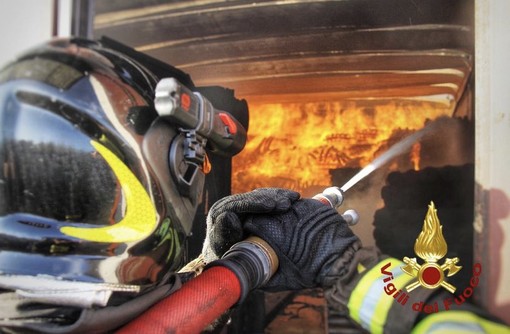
[(187, 153), (194, 147)]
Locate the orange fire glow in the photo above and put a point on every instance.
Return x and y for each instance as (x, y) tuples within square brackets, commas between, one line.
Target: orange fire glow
[(296, 145), (415, 156)]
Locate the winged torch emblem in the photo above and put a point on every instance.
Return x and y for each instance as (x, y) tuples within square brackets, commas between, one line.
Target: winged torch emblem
[(431, 246)]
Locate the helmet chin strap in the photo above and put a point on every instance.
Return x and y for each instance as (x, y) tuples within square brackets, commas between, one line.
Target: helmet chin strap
[(52, 290)]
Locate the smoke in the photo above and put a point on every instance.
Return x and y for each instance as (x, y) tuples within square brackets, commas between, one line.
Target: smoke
[(451, 143), (399, 148), (445, 141)]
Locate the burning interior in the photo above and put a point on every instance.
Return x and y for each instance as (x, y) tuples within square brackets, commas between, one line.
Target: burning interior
[(331, 86)]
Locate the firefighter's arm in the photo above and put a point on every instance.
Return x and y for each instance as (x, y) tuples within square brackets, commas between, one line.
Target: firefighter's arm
[(316, 248), (457, 315), (459, 321), (371, 288)]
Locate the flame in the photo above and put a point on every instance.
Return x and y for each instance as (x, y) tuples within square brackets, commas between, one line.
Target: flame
[(415, 156), (296, 145), (430, 244)]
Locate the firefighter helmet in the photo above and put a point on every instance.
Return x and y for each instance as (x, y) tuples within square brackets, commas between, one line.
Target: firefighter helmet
[(89, 208)]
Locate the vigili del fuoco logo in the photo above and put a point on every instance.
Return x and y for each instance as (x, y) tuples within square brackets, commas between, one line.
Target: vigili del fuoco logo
[(431, 247)]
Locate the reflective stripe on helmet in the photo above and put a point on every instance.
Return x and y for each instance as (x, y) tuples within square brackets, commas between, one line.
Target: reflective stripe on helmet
[(369, 304), (458, 322), (140, 219)]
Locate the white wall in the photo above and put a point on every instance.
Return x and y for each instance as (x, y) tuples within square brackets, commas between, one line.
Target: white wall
[(26, 23), (492, 140)]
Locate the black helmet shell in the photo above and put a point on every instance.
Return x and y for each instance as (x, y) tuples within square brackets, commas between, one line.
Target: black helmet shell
[(85, 191)]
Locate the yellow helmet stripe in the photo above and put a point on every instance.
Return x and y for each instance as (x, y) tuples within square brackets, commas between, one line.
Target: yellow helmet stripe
[(140, 219)]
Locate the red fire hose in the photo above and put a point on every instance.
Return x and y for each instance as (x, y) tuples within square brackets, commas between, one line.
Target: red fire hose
[(189, 310), (247, 265), (199, 302)]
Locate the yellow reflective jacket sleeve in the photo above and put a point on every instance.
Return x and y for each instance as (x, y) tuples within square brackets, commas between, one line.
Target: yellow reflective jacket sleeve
[(380, 303), (458, 322), (380, 287)]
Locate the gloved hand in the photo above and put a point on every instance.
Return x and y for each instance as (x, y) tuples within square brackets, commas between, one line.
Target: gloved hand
[(226, 217), (307, 236)]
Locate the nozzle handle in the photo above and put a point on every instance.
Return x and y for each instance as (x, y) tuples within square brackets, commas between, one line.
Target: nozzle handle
[(351, 217)]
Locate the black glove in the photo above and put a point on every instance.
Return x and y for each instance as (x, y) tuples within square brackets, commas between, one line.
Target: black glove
[(226, 216), (307, 235), (308, 238)]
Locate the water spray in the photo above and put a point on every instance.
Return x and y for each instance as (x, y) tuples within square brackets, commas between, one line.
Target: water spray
[(334, 196), (399, 148)]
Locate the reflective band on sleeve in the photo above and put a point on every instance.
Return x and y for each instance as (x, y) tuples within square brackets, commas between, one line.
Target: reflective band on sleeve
[(461, 322), (369, 304), (384, 304), (359, 292)]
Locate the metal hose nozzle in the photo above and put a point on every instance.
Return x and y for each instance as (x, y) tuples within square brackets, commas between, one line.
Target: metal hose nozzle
[(332, 196)]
